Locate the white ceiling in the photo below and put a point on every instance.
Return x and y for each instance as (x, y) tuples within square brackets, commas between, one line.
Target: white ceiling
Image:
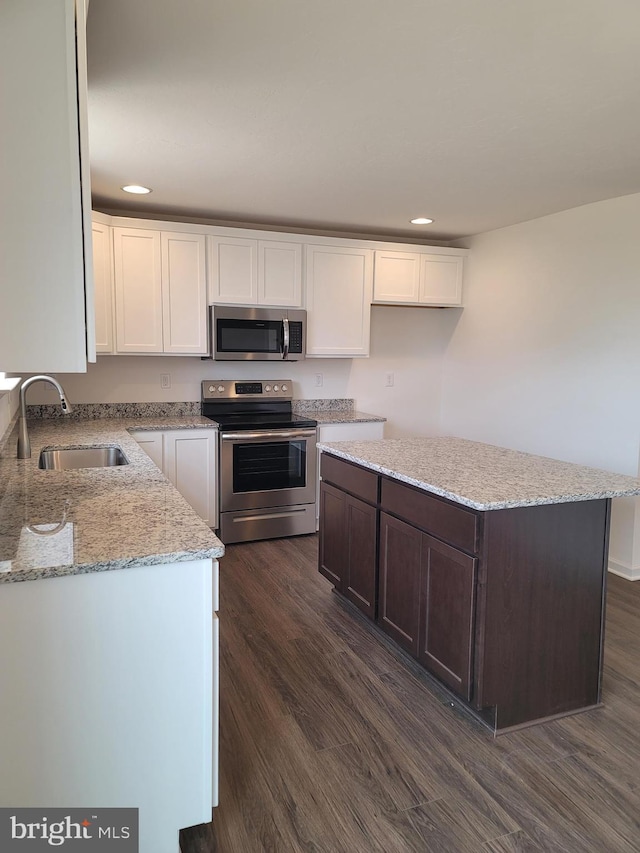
[(358, 115)]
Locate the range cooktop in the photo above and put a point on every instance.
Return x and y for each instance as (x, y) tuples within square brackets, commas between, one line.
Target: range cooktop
[(251, 404)]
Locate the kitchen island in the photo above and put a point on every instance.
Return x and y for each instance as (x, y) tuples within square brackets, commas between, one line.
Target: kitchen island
[(487, 565), (108, 593)]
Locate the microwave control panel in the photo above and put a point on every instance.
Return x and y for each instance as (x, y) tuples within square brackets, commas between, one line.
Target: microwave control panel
[(295, 336)]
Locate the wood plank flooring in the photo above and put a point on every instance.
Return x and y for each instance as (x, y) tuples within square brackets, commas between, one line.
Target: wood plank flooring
[(331, 742)]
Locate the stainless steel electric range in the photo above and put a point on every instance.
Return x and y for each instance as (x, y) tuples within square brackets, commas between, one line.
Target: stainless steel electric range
[(267, 455)]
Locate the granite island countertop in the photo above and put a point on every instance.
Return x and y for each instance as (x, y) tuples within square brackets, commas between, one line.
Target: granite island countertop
[(55, 523), (482, 476)]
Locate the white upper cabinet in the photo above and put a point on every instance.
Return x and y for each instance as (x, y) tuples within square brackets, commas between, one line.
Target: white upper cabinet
[(103, 286), (233, 271), (137, 258), (418, 278), (338, 283), (396, 277), (441, 280), (42, 167), (279, 273), (166, 273), (255, 272), (184, 293), (160, 292)]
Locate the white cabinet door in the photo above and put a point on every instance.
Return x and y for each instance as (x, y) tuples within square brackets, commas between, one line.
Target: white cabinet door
[(138, 289), (190, 462), (215, 692), (42, 319), (233, 270), (255, 272), (441, 280), (184, 293), (279, 273), (396, 277), (151, 442), (418, 278), (103, 286), (339, 286)]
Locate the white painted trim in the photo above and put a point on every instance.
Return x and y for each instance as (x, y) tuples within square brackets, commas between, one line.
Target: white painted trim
[(624, 570)]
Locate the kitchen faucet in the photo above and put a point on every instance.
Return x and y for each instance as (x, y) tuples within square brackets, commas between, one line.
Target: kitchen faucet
[(24, 445)]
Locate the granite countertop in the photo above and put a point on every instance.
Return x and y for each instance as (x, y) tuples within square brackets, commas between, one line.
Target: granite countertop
[(55, 523), (342, 417), (482, 476)]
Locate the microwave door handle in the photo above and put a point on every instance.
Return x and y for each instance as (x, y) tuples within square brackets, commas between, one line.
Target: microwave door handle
[(285, 337)]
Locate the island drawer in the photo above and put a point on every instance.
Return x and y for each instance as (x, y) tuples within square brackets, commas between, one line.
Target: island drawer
[(350, 478), (453, 524)]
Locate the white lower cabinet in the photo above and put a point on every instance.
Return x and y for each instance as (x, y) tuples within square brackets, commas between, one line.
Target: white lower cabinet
[(151, 442), (189, 459), (367, 431), (110, 695)]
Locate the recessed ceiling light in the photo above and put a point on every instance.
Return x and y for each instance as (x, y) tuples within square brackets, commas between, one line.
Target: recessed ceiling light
[(135, 188), (421, 220)]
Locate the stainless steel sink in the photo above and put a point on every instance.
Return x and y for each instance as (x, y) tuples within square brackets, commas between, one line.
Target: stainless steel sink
[(99, 456)]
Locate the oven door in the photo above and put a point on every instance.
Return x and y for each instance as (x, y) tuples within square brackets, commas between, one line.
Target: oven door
[(267, 468)]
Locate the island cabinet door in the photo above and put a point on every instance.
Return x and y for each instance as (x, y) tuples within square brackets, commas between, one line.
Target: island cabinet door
[(347, 554), (399, 593), (447, 606), (332, 552), (360, 578)]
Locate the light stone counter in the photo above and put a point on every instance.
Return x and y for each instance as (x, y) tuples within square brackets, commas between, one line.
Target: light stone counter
[(482, 476), (342, 417), (56, 523), (334, 411)]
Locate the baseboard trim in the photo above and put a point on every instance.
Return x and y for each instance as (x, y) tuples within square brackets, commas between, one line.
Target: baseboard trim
[(629, 573)]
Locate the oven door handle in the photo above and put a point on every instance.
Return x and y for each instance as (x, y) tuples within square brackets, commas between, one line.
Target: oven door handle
[(268, 435), (285, 338)]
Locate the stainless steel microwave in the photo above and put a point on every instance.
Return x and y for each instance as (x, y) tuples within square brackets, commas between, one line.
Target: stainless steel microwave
[(257, 334)]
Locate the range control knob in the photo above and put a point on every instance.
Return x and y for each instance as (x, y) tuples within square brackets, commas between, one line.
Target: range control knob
[(267, 387), (220, 388), (276, 387), (211, 388), (284, 387)]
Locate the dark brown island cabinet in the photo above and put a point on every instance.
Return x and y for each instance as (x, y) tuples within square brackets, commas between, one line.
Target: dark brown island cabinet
[(505, 607)]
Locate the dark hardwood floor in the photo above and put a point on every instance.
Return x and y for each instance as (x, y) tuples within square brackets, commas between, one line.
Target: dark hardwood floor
[(331, 741)]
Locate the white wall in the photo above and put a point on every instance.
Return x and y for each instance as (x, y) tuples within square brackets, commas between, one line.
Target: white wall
[(546, 356), (408, 342)]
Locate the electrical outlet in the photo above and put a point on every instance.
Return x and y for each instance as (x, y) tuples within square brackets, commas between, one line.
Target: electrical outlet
[(319, 380), (165, 380), (388, 380)]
